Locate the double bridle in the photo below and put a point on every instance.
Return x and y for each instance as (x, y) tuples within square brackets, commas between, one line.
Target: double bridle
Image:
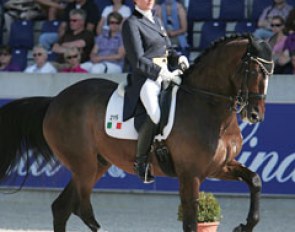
[(241, 100)]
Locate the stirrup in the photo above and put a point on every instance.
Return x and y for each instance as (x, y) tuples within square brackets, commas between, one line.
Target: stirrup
[(143, 171), (148, 177)]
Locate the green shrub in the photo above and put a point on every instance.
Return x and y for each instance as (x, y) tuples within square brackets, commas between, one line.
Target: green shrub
[(208, 208)]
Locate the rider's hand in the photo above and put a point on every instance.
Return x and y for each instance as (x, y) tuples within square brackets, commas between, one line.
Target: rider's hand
[(168, 76), (183, 63), (165, 74)]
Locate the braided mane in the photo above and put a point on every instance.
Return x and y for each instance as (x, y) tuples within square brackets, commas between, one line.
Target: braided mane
[(219, 41)]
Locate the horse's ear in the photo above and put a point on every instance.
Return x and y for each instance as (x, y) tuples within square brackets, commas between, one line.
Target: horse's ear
[(253, 46), (261, 49)]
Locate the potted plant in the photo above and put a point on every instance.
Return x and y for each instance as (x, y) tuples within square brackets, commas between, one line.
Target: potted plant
[(209, 213)]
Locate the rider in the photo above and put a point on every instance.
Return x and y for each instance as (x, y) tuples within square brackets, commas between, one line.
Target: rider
[(148, 50)]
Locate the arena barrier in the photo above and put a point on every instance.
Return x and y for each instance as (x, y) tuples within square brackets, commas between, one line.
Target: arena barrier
[(268, 149)]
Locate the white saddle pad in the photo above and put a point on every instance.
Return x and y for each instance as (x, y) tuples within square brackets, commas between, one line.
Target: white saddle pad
[(114, 125)]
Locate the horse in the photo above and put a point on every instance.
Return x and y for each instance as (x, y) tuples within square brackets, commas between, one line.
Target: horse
[(227, 80)]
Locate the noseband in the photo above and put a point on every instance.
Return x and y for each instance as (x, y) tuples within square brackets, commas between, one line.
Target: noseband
[(241, 100)]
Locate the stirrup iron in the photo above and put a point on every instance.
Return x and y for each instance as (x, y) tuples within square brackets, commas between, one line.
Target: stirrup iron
[(146, 175)]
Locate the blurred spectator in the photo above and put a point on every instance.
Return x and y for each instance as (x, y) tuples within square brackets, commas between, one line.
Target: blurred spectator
[(290, 42), (47, 39), (157, 8), (175, 21), (290, 22), (1, 17), (21, 9), (108, 53), (277, 41), (290, 66), (72, 57), (89, 7), (280, 8), (117, 6), (289, 47), (52, 8), (6, 64), (77, 37), (41, 65)]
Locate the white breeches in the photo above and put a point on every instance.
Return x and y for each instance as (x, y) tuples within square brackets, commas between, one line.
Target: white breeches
[(104, 67), (149, 94)]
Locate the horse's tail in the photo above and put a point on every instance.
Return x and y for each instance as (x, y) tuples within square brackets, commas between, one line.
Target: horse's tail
[(21, 130)]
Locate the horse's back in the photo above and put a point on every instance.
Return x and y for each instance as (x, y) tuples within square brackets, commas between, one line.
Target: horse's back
[(83, 94), (72, 115)]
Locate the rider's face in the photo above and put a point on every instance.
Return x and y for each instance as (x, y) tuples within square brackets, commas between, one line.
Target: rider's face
[(145, 4)]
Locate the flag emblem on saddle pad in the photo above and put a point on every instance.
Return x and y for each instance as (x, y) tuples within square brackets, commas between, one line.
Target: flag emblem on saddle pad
[(114, 125)]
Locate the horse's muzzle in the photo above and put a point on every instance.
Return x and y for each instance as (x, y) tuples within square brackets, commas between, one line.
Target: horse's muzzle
[(252, 116)]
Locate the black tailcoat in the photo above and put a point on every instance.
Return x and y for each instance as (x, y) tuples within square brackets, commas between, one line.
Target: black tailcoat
[(143, 40)]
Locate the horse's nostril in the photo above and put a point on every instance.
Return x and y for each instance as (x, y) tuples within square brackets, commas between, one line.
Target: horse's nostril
[(254, 116)]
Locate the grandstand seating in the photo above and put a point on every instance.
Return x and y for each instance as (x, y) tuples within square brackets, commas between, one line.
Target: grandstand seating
[(198, 10), (1, 35), (52, 56), (211, 30), (50, 26), (19, 56), (222, 17), (232, 10), (21, 34), (291, 2), (245, 27)]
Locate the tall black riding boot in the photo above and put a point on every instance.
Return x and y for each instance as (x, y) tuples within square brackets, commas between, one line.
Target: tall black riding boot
[(145, 139)]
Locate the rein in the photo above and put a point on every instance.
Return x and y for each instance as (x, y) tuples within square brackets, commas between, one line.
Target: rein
[(241, 100)]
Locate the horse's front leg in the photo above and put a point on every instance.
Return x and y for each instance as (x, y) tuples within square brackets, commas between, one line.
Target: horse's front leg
[(236, 171), (189, 193)]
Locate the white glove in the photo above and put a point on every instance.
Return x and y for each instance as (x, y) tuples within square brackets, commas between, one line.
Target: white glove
[(167, 76), (183, 63)]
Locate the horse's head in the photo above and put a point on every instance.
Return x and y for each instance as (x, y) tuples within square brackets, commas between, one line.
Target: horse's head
[(257, 66), (234, 70)]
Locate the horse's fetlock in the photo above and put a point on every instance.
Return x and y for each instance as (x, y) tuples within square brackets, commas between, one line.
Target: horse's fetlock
[(253, 220)]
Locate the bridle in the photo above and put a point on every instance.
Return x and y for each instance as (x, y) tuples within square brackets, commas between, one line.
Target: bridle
[(241, 100)]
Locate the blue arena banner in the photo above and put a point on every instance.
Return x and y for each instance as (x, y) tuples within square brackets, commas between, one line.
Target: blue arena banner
[(268, 149)]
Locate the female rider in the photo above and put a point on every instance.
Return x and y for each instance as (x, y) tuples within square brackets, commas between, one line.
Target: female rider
[(148, 50)]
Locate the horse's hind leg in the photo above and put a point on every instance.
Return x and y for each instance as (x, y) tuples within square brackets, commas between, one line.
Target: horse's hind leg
[(72, 201), (235, 171), (63, 206), (85, 181)]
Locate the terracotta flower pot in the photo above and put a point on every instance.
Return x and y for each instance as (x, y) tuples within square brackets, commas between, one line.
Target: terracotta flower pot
[(208, 226)]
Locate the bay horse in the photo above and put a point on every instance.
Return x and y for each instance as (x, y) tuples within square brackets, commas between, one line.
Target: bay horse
[(227, 79)]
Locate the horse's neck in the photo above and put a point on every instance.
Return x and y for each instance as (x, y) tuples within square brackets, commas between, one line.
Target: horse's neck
[(206, 111)]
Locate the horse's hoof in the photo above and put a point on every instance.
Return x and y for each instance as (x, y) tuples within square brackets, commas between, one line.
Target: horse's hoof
[(94, 227), (102, 230), (239, 228)]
